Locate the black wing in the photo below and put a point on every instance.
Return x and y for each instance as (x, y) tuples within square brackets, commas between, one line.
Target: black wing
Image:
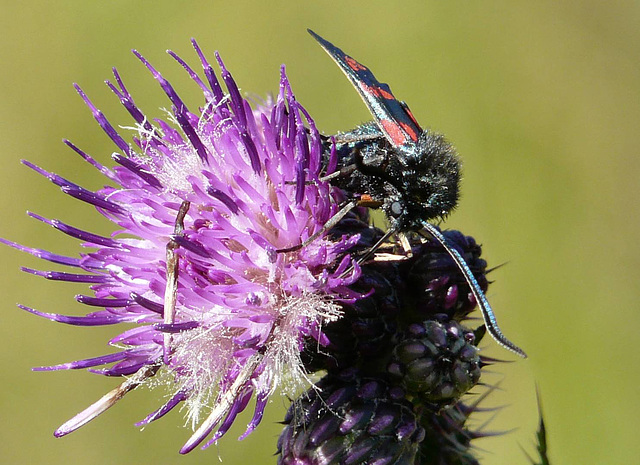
[(392, 116)]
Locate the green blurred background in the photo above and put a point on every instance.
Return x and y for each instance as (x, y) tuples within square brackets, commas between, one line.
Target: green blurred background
[(541, 99)]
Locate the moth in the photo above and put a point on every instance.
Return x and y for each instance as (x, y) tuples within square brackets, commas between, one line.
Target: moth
[(411, 174)]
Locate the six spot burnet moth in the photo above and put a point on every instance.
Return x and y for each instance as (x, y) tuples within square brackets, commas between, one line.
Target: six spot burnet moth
[(411, 173)]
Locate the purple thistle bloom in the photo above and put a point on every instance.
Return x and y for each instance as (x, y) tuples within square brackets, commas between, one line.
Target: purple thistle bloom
[(214, 209)]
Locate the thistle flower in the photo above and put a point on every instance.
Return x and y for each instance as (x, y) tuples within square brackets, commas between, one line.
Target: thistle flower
[(219, 258)]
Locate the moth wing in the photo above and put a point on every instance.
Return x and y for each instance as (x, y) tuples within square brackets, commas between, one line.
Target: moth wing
[(392, 116)]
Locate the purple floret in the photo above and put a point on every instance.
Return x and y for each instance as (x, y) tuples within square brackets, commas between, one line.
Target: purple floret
[(214, 209)]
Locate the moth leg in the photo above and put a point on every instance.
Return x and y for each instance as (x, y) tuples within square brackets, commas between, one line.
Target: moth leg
[(171, 289), (341, 173), (327, 226), (377, 245), (353, 137)]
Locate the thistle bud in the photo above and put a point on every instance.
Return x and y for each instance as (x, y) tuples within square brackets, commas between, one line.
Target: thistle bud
[(436, 361)]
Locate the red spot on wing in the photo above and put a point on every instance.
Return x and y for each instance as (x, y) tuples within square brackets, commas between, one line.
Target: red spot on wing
[(384, 94), (353, 64), (413, 118), (376, 91), (367, 89), (395, 132), (410, 131)]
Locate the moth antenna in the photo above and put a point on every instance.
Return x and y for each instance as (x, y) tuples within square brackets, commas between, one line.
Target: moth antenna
[(485, 308)]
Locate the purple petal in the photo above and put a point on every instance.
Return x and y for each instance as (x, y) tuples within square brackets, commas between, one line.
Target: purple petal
[(224, 198), (124, 368), (96, 302), (189, 130), (180, 396), (43, 254), (261, 403), (234, 93), (127, 101), (192, 246), (77, 233), (86, 363), (176, 327), (148, 304), (95, 319), (180, 109), (209, 73), (103, 169), (138, 170), (76, 191), (238, 407), (192, 74), (70, 277), (104, 123), (166, 86)]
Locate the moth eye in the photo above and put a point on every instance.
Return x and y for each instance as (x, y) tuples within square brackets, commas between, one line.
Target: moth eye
[(397, 209)]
